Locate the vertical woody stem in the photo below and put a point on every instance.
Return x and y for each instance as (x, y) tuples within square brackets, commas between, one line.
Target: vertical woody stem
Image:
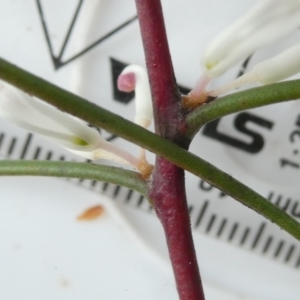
[(167, 189), (165, 94)]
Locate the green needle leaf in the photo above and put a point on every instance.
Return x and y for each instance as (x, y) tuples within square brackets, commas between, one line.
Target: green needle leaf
[(130, 179), (252, 98)]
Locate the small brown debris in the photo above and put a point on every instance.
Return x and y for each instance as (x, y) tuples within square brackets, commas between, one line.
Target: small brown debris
[(91, 213)]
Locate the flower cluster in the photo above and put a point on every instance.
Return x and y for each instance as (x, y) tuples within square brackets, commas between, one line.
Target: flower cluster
[(268, 22), (65, 130)]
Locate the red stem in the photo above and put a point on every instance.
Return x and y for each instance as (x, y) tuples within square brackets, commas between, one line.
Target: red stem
[(168, 196), (167, 190), (165, 94)]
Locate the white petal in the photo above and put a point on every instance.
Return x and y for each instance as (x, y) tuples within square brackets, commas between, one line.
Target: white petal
[(38, 117), (135, 77), (69, 132), (266, 23), (279, 67)]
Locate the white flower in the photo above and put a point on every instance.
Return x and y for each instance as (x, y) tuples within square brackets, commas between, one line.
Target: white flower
[(279, 67), (267, 22), (134, 77), (67, 131), (38, 117), (269, 71)]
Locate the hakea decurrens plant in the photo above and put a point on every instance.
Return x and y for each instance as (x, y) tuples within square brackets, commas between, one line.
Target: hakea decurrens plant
[(268, 22), (63, 129)]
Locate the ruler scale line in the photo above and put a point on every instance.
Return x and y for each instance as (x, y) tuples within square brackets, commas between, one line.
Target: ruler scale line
[(105, 186), (233, 231), (201, 213), (258, 235), (26, 145), (267, 244), (222, 226), (140, 201), (93, 183), (1, 139), (129, 194), (290, 253), (116, 191), (298, 262), (37, 153), (11, 146), (294, 212), (279, 248), (191, 209), (49, 155), (210, 223), (245, 236)]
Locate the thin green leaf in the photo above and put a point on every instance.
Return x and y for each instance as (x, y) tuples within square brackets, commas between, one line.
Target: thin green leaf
[(130, 179), (252, 98)]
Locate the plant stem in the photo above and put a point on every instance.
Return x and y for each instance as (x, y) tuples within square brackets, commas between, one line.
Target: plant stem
[(169, 198), (130, 179), (167, 190), (165, 94), (98, 116)]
